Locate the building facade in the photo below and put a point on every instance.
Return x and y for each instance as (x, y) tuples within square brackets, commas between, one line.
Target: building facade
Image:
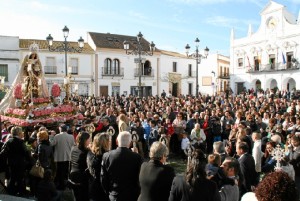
[(104, 68), (9, 61), (118, 73), (268, 58)]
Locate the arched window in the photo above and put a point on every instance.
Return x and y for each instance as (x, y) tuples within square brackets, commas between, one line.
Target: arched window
[(116, 67), (107, 66), (147, 68)]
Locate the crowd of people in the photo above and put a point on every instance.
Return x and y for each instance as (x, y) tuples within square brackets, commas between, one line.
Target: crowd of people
[(227, 141)]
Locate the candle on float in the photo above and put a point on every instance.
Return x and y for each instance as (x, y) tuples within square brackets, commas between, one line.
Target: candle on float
[(65, 81), (40, 82), (76, 87), (70, 69)]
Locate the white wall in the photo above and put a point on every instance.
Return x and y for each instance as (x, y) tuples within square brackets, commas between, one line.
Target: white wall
[(283, 38)]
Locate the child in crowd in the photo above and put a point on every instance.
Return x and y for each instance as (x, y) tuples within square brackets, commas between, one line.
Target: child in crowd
[(184, 145), (169, 129), (213, 164)]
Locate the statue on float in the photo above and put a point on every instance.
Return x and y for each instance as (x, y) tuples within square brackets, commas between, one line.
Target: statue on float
[(28, 102), (31, 79)]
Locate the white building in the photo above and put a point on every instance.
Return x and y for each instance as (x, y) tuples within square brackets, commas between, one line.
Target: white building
[(268, 58), (103, 67), (118, 73), (9, 60)]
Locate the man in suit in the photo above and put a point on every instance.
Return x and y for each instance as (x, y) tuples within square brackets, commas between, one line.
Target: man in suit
[(62, 143), (156, 177), (120, 171), (247, 165)]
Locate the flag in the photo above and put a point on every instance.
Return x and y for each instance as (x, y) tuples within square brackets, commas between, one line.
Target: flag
[(283, 59), (258, 58)]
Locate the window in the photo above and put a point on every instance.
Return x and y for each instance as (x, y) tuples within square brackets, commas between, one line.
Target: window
[(272, 61), (221, 71), (116, 67), (147, 68), (107, 66), (190, 88), (240, 62), (174, 66), (256, 63), (190, 70), (74, 65), (289, 57), (227, 74), (4, 71), (50, 67)]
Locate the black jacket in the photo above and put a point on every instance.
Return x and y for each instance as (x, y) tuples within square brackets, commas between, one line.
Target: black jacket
[(247, 165), (120, 174), (18, 157), (45, 154), (204, 190), (155, 180), (96, 191)]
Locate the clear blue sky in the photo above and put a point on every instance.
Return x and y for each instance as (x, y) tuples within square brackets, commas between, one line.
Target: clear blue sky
[(171, 24)]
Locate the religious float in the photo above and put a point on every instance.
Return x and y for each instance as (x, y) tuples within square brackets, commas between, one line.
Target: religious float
[(28, 102)]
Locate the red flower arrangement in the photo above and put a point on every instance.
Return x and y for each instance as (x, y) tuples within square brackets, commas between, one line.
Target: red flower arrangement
[(18, 91), (55, 91)]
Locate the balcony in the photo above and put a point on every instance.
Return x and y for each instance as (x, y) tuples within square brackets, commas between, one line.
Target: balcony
[(145, 73), (50, 70), (224, 76), (274, 67), (113, 72)]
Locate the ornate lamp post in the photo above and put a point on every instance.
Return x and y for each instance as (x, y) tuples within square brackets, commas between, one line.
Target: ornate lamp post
[(65, 47), (138, 50), (197, 56)]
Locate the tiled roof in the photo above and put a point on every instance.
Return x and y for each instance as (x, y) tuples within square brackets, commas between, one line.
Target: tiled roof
[(43, 44), (174, 54), (115, 41)]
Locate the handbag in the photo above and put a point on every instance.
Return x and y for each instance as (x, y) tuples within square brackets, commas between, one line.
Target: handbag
[(37, 170)]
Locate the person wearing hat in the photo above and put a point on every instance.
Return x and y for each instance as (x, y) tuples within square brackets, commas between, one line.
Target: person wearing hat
[(62, 143)]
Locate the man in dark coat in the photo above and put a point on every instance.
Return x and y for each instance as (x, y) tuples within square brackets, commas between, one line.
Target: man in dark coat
[(120, 171), (247, 165), (155, 177), (18, 158)]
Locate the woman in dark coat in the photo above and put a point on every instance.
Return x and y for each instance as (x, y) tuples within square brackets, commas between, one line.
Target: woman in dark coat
[(94, 158), (44, 150), (155, 177), (194, 185), (79, 175)]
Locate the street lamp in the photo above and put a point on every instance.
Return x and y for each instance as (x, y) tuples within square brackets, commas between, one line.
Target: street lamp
[(198, 58), (65, 47), (138, 50)]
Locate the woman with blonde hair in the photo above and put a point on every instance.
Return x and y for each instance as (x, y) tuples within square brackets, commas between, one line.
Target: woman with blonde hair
[(123, 126), (99, 146)]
